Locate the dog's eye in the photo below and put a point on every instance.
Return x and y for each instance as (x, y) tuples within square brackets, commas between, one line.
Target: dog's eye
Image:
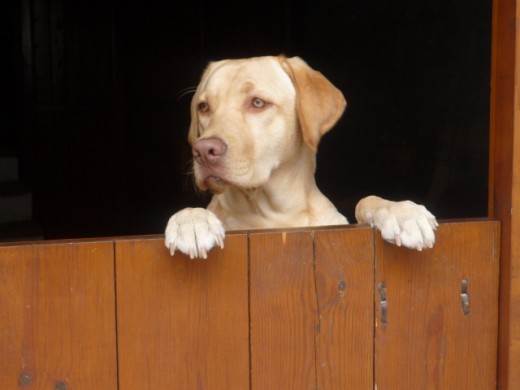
[(258, 103), (203, 107)]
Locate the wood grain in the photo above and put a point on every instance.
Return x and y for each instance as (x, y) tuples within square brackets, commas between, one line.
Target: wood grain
[(428, 342), (57, 322), (504, 186), (284, 315), (182, 324), (344, 285), (274, 310)]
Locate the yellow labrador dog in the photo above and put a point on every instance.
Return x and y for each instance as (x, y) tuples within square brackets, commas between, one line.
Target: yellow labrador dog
[(255, 129)]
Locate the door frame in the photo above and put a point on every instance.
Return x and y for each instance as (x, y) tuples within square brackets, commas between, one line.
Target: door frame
[(504, 188)]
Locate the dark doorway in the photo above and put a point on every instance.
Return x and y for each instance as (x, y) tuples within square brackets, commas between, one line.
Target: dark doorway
[(98, 117)]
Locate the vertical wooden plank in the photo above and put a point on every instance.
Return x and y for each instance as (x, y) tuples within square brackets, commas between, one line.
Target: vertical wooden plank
[(182, 324), (429, 342), (283, 311), (344, 279), (504, 185), (57, 321)]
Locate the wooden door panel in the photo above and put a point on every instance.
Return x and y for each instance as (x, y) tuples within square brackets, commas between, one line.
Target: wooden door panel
[(182, 324), (344, 279), (312, 309), (57, 317), (433, 337), (283, 311)]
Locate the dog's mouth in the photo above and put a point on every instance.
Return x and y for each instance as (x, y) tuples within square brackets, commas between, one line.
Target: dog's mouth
[(210, 178), (215, 184), (218, 180)]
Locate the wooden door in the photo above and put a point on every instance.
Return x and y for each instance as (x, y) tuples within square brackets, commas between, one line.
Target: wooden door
[(310, 309)]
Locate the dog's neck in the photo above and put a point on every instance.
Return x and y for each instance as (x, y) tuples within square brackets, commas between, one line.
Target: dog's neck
[(290, 195)]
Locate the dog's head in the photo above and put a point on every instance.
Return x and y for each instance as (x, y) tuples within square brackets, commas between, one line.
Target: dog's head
[(251, 116)]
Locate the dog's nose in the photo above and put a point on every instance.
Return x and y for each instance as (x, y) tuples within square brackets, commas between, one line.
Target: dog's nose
[(209, 151)]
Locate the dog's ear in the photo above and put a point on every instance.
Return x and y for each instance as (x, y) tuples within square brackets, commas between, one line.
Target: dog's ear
[(319, 104)]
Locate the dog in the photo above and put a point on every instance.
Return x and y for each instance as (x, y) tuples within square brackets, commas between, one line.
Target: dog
[(255, 128)]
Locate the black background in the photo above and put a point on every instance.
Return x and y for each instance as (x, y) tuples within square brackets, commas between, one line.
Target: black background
[(97, 115)]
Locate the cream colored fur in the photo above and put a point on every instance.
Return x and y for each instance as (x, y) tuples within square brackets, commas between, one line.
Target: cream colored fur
[(256, 125)]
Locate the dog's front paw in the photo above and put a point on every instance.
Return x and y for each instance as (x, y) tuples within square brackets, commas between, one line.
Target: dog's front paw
[(194, 231), (402, 223)]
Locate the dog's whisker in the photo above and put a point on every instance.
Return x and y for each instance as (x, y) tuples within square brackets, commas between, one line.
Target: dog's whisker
[(186, 91), (190, 176), (188, 167)]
